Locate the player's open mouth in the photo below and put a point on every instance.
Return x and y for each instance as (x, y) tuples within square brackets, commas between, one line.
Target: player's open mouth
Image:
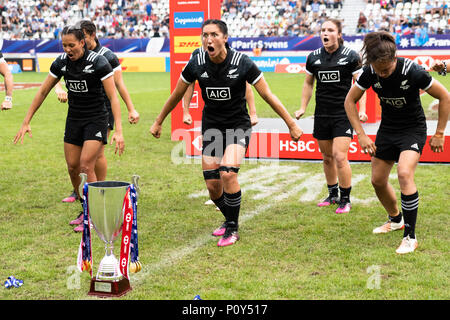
[(325, 39), (210, 49)]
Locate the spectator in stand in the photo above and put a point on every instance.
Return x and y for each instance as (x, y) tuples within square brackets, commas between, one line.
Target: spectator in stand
[(362, 23), (315, 6)]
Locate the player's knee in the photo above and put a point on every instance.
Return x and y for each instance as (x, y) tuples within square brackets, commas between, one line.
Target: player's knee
[(73, 168), (327, 160), (405, 176), (228, 174), (87, 167), (341, 159), (379, 182)]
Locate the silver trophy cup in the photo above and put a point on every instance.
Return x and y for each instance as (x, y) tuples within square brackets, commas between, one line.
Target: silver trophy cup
[(105, 202)]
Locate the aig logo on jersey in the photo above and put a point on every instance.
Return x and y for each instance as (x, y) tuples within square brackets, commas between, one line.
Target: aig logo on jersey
[(77, 85), (219, 94), (395, 102), (329, 76)]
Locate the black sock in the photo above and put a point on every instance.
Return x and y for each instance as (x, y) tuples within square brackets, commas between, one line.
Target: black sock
[(397, 218), (410, 204), (345, 194), (333, 190), (233, 202), (220, 203)]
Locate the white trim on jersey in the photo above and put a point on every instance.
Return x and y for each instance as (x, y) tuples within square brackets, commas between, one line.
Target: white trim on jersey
[(406, 66), (361, 87), (53, 75), (201, 59), (91, 57), (2, 60), (357, 71), (119, 67), (102, 51), (200, 51), (346, 51), (310, 73), (184, 80), (317, 51), (257, 79), (429, 85), (107, 76), (236, 58)]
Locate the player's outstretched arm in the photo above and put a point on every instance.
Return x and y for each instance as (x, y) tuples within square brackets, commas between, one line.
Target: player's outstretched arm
[(187, 119), (438, 91), (355, 93), (250, 97), (440, 66), (133, 115), (117, 137), (61, 94), (9, 84), (40, 96), (170, 104), (308, 86)]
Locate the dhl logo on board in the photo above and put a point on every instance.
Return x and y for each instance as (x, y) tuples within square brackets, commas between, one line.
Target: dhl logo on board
[(186, 44)]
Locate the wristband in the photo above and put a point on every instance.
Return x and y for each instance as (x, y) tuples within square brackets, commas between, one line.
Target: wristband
[(8, 98), (444, 71), (439, 135)]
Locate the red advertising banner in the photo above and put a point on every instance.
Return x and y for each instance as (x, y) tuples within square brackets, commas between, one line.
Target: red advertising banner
[(280, 146), (426, 60), (186, 18), (277, 144)]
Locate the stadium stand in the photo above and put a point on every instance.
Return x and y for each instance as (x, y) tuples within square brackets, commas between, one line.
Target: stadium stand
[(44, 19)]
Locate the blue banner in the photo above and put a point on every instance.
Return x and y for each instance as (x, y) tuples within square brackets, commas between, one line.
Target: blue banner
[(272, 44), (268, 63)]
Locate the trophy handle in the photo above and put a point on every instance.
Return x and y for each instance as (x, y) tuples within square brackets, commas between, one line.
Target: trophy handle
[(83, 177), (134, 179)]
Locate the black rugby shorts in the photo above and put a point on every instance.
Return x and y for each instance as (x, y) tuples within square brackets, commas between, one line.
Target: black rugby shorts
[(215, 141), (327, 128), (78, 131), (390, 145)]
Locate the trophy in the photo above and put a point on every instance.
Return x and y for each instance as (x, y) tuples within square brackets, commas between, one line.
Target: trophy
[(111, 208)]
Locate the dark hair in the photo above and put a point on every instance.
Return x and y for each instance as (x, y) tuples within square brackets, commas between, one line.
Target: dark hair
[(378, 46), (222, 25), (338, 25), (90, 28), (75, 30)]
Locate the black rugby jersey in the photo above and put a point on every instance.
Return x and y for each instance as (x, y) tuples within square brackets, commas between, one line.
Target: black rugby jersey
[(196, 52), (2, 59), (223, 86), (83, 79), (334, 74), (113, 61), (399, 94)]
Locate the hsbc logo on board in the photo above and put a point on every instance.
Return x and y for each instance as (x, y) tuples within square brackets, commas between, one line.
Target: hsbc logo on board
[(425, 61)]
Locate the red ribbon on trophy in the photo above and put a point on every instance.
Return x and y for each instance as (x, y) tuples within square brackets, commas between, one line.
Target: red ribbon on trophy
[(128, 214)]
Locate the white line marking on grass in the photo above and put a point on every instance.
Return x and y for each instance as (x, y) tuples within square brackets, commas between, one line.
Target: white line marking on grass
[(178, 254), (273, 182)]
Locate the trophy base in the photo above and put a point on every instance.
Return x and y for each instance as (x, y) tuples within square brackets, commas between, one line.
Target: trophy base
[(107, 289)]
